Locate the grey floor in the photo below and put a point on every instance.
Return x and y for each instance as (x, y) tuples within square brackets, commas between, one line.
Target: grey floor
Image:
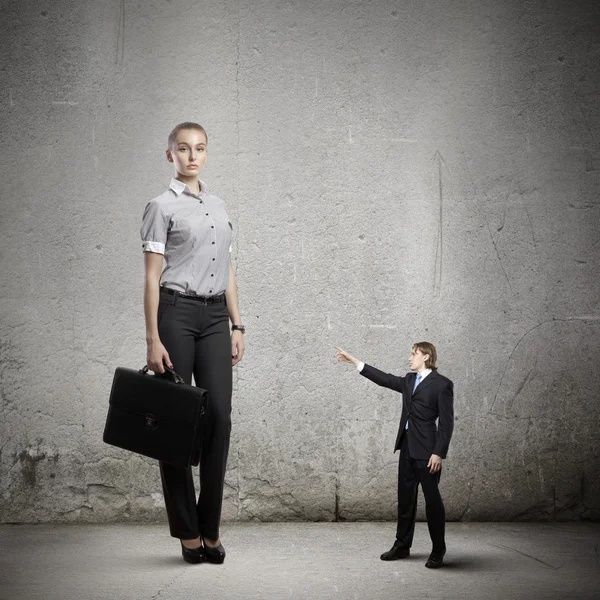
[(300, 560)]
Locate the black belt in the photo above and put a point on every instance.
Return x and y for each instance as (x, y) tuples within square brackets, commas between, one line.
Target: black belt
[(203, 299)]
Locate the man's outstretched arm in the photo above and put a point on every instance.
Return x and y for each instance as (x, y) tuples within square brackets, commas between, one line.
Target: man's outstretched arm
[(394, 382)]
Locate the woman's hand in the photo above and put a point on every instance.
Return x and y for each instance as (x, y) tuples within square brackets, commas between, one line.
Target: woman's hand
[(343, 356), (237, 347), (156, 354)]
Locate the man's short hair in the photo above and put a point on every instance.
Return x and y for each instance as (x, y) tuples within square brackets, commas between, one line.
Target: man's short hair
[(428, 348), (186, 125)]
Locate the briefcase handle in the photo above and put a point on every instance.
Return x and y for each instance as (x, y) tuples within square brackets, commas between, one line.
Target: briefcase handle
[(168, 374)]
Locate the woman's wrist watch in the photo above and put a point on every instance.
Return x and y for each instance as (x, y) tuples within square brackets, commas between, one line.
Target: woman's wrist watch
[(238, 328)]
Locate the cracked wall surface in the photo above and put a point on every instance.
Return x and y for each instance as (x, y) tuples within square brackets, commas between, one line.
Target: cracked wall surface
[(395, 171)]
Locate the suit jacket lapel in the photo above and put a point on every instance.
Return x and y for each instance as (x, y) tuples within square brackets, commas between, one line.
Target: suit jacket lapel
[(410, 385), (427, 381)]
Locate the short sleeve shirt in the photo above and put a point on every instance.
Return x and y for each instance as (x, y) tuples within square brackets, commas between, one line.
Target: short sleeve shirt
[(194, 233)]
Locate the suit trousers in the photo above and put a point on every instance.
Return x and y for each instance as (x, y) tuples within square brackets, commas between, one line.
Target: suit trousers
[(198, 341), (411, 472)]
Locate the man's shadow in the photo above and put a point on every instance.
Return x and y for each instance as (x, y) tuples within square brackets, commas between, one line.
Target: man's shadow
[(463, 562), (472, 563)]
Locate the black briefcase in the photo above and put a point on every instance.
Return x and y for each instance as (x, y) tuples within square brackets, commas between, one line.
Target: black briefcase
[(158, 416)]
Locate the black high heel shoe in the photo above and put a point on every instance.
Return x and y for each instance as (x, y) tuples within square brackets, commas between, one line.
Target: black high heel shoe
[(192, 555), (214, 555)]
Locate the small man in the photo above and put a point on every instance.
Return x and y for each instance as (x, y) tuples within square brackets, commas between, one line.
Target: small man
[(427, 397)]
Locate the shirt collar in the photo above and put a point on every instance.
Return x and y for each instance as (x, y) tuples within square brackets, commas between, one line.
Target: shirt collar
[(424, 373), (179, 187)]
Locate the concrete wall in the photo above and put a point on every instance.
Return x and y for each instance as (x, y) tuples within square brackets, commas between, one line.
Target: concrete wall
[(395, 171)]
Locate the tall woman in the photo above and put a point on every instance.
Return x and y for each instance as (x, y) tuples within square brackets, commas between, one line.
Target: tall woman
[(190, 294)]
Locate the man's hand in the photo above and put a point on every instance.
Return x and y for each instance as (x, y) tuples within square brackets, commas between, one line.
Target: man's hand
[(435, 463), (237, 347), (343, 356)]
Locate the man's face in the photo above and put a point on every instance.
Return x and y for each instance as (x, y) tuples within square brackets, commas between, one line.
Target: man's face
[(417, 359), (189, 153)]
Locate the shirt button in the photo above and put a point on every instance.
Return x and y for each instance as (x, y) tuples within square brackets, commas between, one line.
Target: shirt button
[(210, 291), (207, 214), (212, 226), (211, 275), (213, 259), (213, 243)]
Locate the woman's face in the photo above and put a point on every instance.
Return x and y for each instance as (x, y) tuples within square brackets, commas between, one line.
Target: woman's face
[(189, 153)]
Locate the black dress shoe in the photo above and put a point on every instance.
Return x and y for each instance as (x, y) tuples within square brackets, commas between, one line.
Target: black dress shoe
[(214, 555), (192, 555), (396, 552), (435, 561)]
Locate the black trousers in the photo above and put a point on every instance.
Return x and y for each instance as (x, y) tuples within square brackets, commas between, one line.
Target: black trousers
[(198, 341), (411, 472)]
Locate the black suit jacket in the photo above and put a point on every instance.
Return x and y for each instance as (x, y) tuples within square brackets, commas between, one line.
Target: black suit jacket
[(433, 399)]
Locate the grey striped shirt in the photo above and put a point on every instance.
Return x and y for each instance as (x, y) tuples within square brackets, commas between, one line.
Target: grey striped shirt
[(193, 232)]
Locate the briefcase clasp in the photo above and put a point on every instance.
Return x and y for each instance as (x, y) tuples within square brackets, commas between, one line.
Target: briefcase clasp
[(151, 421)]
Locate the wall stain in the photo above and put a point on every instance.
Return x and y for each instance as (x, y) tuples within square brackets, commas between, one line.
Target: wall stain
[(29, 460)]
